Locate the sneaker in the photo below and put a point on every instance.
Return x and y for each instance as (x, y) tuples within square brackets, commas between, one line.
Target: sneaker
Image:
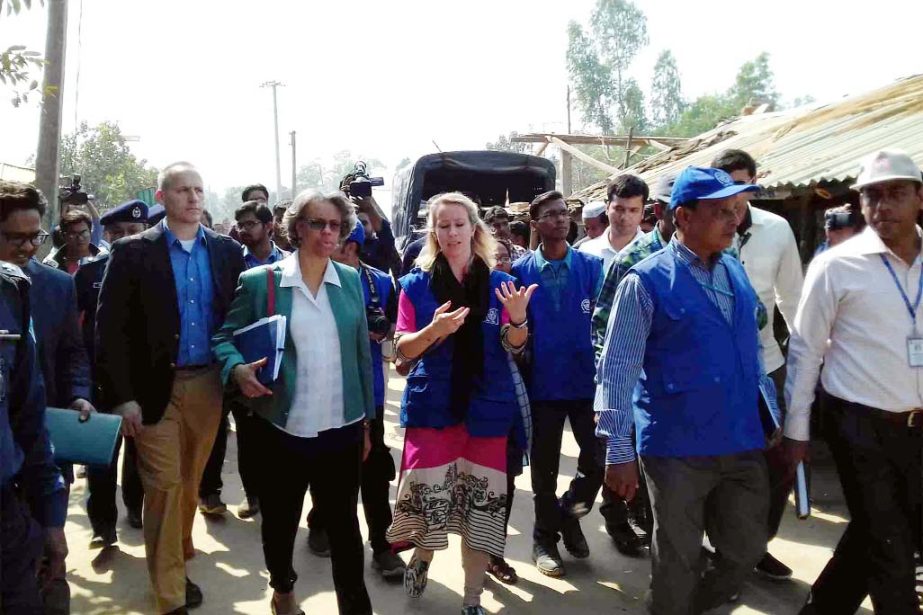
[(416, 574), (211, 504), (134, 518), (771, 568), (473, 610), (249, 508), (103, 539), (318, 543), (574, 540), (388, 564), (626, 540), (548, 560)]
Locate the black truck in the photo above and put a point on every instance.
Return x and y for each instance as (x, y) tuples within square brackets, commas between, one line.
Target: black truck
[(489, 177)]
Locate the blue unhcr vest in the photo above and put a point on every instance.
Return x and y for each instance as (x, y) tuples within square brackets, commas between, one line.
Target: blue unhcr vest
[(426, 396), (562, 364), (698, 392)]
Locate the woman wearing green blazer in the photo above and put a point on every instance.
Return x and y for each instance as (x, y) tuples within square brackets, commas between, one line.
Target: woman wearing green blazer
[(314, 418)]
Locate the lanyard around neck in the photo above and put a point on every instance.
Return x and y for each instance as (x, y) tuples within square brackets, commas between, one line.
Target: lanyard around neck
[(911, 309)]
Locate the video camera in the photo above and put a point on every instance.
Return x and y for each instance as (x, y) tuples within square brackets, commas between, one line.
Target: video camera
[(73, 194), (358, 183)]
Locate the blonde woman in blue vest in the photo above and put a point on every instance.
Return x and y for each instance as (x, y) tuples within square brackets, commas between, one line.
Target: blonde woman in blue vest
[(314, 417), (457, 320)]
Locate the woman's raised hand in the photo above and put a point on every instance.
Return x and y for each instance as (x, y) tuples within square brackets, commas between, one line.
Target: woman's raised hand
[(445, 323), (515, 300)]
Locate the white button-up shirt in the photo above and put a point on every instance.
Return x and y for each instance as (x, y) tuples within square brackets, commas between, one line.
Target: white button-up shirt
[(769, 254), (317, 404), (853, 318), (602, 248)]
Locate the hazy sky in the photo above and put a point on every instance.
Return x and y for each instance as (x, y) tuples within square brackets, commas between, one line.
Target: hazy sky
[(386, 79)]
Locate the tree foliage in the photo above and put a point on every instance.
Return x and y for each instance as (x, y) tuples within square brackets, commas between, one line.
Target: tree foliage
[(666, 91), (620, 31), (504, 143), (754, 84), (17, 64), (108, 169), (325, 174), (598, 64)]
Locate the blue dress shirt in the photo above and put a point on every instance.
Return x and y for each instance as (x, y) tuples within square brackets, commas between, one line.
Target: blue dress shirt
[(194, 294)]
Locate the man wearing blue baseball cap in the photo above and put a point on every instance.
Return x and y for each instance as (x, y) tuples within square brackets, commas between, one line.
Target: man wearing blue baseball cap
[(683, 331)]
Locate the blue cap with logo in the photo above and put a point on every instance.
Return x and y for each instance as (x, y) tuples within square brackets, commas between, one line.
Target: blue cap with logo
[(130, 211), (358, 235), (705, 184)]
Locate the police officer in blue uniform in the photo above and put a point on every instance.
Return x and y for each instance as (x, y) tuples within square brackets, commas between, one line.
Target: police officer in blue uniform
[(127, 219), (33, 495), (560, 380)]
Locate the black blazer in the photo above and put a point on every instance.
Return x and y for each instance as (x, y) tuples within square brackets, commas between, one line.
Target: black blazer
[(137, 319)]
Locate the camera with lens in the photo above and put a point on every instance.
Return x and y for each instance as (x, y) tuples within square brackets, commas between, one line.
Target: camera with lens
[(378, 322), (358, 183), (73, 194)]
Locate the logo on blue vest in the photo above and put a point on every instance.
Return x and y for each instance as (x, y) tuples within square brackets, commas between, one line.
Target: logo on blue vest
[(585, 306), (493, 317)]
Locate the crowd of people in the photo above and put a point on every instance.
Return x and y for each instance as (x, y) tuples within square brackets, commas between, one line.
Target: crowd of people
[(652, 337)]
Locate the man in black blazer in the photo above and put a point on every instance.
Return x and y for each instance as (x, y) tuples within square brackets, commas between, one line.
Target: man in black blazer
[(164, 294)]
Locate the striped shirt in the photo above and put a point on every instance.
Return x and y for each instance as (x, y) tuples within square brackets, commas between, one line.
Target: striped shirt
[(622, 358)]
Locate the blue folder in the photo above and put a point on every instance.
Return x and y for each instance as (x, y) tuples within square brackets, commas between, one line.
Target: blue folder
[(90, 443), (263, 339)]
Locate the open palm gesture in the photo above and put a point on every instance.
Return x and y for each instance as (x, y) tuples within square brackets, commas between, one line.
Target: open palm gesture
[(515, 300)]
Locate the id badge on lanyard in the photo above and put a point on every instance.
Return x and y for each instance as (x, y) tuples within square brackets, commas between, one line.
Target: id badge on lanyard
[(914, 340)]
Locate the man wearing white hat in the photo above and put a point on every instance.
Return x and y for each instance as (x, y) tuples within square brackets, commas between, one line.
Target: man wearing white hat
[(595, 222), (859, 315)]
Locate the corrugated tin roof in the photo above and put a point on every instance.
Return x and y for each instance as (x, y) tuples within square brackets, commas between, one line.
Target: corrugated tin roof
[(804, 146)]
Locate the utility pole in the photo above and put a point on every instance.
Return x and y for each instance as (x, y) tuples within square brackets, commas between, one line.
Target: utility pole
[(275, 117), (294, 167), (49, 128), (567, 162)]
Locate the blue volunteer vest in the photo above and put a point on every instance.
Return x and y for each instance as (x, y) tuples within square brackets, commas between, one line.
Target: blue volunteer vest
[(426, 396), (562, 365), (698, 394)]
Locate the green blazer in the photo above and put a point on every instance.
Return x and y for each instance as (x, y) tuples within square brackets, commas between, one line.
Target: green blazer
[(348, 304)]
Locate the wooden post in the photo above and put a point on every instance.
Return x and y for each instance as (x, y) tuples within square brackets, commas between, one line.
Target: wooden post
[(49, 129), (808, 227)]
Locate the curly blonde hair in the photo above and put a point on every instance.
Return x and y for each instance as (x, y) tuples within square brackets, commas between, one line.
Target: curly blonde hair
[(483, 243)]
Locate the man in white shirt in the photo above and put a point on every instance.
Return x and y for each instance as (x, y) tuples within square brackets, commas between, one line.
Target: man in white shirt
[(769, 254), (626, 196), (859, 315)]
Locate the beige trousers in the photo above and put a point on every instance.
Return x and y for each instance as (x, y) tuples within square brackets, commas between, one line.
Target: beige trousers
[(171, 457)]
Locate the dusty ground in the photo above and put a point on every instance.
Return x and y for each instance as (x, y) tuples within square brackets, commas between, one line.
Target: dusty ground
[(229, 564)]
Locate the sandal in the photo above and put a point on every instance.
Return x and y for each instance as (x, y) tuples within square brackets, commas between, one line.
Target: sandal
[(275, 611), (415, 577), (504, 573)]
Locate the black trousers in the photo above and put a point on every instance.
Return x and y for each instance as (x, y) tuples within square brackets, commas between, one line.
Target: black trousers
[(879, 467), (246, 455), (101, 485), (331, 463), (781, 480), (377, 473), (548, 419), (21, 544)]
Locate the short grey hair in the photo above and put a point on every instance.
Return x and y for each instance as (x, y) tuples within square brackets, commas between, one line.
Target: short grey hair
[(167, 173), (308, 197)]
